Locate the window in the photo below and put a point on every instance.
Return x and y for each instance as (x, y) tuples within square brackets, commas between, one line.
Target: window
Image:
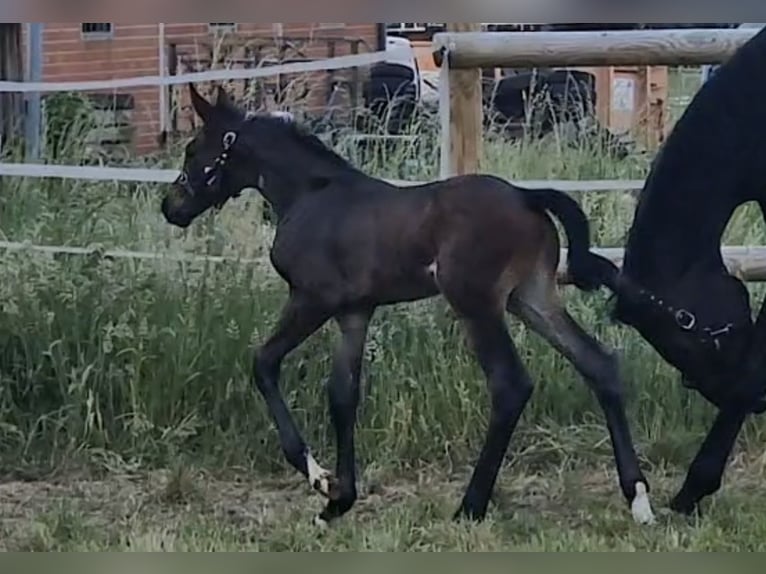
[(403, 27), (222, 27), (97, 31)]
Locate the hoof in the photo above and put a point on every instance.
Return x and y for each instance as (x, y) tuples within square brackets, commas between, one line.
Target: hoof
[(641, 508), (685, 508), (320, 523), (464, 514)]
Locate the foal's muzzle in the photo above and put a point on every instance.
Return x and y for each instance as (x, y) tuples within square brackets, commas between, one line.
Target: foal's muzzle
[(173, 210)]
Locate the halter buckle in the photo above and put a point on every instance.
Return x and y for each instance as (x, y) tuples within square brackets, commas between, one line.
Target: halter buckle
[(228, 140), (685, 319), (722, 331)]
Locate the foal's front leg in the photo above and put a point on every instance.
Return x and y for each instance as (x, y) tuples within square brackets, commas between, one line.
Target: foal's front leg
[(300, 318), (343, 390)]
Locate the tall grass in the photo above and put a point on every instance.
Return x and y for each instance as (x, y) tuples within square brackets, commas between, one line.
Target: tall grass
[(128, 363)]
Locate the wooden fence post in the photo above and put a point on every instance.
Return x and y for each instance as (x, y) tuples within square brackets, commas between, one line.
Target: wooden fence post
[(11, 69), (462, 119)]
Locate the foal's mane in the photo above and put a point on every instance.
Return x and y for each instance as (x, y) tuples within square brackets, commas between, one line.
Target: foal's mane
[(302, 136)]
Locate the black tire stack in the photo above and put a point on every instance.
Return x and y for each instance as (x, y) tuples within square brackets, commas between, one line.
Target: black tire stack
[(390, 95)]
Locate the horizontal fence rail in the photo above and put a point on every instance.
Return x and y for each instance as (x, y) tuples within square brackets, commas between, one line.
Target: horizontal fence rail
[(746, 262), (466, 50), (594, 48), (337, 63), (148, 175)]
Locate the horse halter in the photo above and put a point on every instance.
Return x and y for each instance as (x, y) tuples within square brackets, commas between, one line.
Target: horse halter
[(687, 321), (212, 173)]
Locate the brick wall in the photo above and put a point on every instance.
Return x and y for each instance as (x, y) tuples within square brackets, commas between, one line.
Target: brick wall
[(133, 50), (258, 42)]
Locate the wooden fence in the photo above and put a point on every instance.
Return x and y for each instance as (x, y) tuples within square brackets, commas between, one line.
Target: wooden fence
[(462, 51)]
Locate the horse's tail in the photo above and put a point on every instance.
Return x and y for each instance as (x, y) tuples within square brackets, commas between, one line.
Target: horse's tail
[(587, 271)]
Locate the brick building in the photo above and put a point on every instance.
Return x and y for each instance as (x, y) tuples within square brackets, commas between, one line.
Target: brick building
[(143, 117)]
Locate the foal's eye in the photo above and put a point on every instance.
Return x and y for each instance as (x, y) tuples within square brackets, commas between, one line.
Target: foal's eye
[(183, 179)]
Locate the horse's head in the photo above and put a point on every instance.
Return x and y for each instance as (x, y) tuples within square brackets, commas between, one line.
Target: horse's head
[(701, 325), (214, 170)]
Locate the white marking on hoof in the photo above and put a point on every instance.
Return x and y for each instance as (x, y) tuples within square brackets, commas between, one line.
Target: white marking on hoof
[(319, 478), (641, 507), (321, 523)]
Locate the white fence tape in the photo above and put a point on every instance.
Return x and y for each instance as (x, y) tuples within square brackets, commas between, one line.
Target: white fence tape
[(146, 175), (337, 63), (735, 257), (96, 173), (24, 247)]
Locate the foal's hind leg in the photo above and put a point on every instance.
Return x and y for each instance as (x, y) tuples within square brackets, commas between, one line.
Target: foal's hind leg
[(510, 389), (538, 306), (300, 318)]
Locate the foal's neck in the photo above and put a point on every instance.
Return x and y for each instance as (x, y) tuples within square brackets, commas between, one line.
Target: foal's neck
[(302, 168)]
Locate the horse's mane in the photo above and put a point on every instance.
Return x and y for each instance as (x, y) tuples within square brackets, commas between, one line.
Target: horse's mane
[(301, 134)]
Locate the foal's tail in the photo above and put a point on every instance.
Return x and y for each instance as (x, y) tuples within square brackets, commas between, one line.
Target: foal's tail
[(587, 271)]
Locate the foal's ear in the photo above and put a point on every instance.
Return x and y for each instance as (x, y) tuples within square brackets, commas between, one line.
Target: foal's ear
[(200, 104), (222, 98)]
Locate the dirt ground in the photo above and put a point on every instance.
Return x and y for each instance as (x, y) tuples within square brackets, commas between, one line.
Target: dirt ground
[(181, 510)]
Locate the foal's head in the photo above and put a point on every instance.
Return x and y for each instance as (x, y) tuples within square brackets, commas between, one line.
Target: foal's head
[(212, 169), (701, 325), (233, 151), (221, 159)]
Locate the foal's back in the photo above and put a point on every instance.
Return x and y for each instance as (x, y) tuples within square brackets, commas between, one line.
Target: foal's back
[(370, 241)]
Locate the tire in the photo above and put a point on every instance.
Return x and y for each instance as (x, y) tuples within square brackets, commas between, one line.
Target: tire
[(392, 71)]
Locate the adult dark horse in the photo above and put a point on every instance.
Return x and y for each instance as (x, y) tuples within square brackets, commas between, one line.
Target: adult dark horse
[(674, 287), (347, 243)]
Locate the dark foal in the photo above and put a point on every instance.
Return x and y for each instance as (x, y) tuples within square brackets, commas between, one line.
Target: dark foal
[(347, 243), (674, 287)]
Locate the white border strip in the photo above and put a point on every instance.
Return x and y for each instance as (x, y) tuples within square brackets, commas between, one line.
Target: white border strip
[(146, 175), (211, 75)]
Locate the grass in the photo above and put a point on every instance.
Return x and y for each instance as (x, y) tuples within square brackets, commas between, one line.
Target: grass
[(127, 421), (571, 509)]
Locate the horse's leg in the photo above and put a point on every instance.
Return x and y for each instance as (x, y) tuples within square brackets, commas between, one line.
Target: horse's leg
[(538, 306), (300, 318), (510, 389), (706, 470), (343, 390)]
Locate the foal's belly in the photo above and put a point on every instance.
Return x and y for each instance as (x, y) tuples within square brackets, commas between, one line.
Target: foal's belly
[(415, 284)]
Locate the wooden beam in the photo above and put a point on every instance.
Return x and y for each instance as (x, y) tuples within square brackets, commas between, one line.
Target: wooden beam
[(673, 47), (465, 115), (748, 263), (11, 68)]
